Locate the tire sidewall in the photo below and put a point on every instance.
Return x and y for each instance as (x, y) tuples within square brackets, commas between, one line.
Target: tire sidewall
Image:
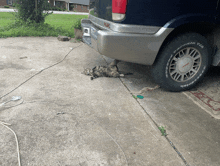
[(194, 41)]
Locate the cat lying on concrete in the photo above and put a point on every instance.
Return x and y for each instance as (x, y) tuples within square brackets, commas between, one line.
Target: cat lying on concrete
[(103, 71)]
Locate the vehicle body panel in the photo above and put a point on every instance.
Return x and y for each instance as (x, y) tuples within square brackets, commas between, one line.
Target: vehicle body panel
[(139, 37), (156, 12)]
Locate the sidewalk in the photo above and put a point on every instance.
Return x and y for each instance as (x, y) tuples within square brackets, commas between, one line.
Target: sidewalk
[(67, 119), (54, 12)]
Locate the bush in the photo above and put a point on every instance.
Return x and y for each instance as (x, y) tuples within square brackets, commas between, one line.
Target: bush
[(32, 11), (52, 8), (72, 6), (6, 6), (77, 24), (55, 8)]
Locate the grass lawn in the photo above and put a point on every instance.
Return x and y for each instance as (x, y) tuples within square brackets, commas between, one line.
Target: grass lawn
[(55, 24), (6, 18), (66, 21)]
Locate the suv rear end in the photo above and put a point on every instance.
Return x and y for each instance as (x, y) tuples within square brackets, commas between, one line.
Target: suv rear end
[(112, 35), (166, 34)]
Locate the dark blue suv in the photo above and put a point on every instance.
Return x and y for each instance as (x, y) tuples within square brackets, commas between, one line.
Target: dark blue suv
[(179, 38)]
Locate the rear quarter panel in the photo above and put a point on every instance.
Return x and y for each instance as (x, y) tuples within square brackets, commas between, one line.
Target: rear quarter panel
[(159, 13)]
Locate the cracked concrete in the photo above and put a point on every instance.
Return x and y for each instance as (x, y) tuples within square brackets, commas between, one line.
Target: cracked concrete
[(67, 119), (193, 131)]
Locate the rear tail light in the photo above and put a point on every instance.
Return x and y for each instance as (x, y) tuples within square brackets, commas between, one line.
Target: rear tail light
[(118, 9)]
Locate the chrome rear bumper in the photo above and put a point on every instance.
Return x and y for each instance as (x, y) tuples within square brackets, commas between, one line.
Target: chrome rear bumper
[(131, 47)]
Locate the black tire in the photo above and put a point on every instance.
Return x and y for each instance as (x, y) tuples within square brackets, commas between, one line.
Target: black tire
[(182, 63)]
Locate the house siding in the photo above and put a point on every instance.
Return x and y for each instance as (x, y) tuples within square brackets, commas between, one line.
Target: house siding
[(51, 2), (3, 2), (80, 8), (83, 2), (77, 7)]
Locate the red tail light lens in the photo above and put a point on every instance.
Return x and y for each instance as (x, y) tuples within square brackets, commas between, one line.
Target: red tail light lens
[(119, 6)]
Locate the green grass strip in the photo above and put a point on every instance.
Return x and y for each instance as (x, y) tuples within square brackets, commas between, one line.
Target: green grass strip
[(55, 24)]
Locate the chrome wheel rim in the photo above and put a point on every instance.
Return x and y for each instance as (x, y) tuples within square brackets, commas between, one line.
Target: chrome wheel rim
[(185, 64)]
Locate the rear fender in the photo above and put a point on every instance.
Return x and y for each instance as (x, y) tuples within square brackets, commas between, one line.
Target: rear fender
[(189, 18)]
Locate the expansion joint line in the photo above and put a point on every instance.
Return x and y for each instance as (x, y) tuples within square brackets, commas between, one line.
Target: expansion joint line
[(180, 155)]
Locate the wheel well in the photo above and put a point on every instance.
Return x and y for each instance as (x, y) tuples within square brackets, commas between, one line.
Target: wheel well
[(205, 29)]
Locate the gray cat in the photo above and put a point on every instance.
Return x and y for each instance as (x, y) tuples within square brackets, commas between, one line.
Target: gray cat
[(103, 71)]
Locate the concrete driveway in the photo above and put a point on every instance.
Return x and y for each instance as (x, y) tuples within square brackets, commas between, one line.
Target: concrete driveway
[(65, 119), (191, 118)]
